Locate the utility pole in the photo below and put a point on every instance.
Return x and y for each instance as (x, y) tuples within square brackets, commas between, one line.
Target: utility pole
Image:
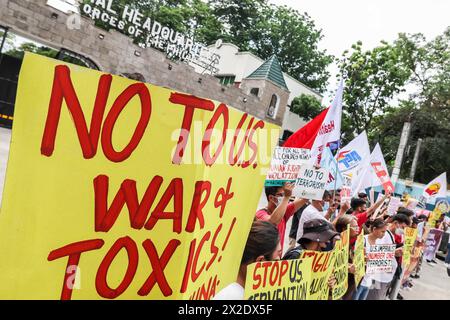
[(400, 152), (416, 158)]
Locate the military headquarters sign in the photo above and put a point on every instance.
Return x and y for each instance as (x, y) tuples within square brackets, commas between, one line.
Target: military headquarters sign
[(148, 32)]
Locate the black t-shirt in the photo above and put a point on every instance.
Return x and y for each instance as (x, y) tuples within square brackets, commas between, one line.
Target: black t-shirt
[(295, 219)]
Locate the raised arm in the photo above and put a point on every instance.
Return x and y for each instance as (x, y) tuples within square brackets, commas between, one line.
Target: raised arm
[(375, 206), (279, 212)]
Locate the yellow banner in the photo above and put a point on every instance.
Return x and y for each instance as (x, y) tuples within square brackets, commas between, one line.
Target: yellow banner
[(359, 259), (321, 269), (434, 217), (410, 239), (120, 189), (340, 270), (278, 280)]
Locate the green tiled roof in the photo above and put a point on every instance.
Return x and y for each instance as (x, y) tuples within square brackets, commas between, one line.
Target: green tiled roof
[(270, 70)]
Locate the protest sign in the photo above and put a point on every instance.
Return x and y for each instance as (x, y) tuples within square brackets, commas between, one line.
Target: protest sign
[(410, 239), (380, 258), (334, 176), (411, 203), (340, 270), (278, 280), (432, 243), (346, 189), (322, 267), (393, 206), (121, 210), (444, 205), (435, 215), (311, 183), (285, 165), (359, 259)]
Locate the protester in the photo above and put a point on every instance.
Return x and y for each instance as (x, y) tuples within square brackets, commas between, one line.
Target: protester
[(317, 235), (360, 210), (319, 209), (294, 226), (447, 229), (377, 232), (278, 209), (262, 245), (364, 197), (420, 242), (382, 281), (341, 224)]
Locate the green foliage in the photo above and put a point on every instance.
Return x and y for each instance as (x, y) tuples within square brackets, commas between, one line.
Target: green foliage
[(31, 47), (306, 106), (372, 79), (252, 25), (428, 109)]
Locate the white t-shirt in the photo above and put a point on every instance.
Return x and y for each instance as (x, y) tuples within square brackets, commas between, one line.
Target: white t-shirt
[(233, 291), (367, 280), (309, 213), (386, 277)]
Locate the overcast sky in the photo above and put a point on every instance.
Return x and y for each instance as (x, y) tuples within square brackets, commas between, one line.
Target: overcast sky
[(344, 22)]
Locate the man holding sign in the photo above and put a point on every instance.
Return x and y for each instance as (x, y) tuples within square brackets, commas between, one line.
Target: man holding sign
[(278, 209)]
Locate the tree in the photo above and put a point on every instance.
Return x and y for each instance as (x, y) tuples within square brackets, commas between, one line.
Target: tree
[(294, 38), (428, 108), (372, 79), (306, 106), (32, 47)]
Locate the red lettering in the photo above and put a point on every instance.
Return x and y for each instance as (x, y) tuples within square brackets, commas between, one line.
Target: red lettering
[(223, 196), (158, 265), (63, 89), (124, 98), (222, 110), (74, 251), (196, 274), (190, 103), (198, 204), (175, 191), (103, 289), (233, 160), (253, 146)]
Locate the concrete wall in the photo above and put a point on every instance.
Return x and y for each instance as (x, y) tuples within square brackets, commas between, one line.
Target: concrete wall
[(116, 54)]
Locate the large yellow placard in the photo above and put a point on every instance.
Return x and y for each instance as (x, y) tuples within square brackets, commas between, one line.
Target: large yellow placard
[(120, 189), (279, 280)]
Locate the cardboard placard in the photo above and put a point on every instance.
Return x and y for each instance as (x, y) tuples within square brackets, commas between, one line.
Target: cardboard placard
[(285, 165), (311, 183)]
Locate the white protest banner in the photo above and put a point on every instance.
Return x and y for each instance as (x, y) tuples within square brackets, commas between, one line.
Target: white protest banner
[(412, 203), (334, 176), (352, 157), (393, 206), (285, 165), (380, 259), (434, 189), (330, 131), (374, 173), (311, 183), (346, 189)]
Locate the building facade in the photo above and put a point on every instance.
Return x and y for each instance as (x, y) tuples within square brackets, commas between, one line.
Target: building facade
[(51, 23), (235, 66)]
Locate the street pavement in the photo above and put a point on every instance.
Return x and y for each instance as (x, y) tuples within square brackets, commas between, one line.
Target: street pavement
[(433, 284)]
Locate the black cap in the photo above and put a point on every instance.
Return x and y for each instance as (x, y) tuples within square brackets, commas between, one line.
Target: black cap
[(318, 230)]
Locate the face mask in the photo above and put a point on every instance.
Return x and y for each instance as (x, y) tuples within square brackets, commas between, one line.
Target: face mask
[(329, 246), (399, 231), (326, 206)]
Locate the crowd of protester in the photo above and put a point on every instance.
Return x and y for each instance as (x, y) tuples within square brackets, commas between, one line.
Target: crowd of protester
[(317, 225)]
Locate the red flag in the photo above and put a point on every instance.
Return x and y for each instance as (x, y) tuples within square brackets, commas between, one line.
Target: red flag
[(305, 136)]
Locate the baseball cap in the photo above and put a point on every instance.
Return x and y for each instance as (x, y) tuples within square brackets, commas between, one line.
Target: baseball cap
[(318, 230)]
